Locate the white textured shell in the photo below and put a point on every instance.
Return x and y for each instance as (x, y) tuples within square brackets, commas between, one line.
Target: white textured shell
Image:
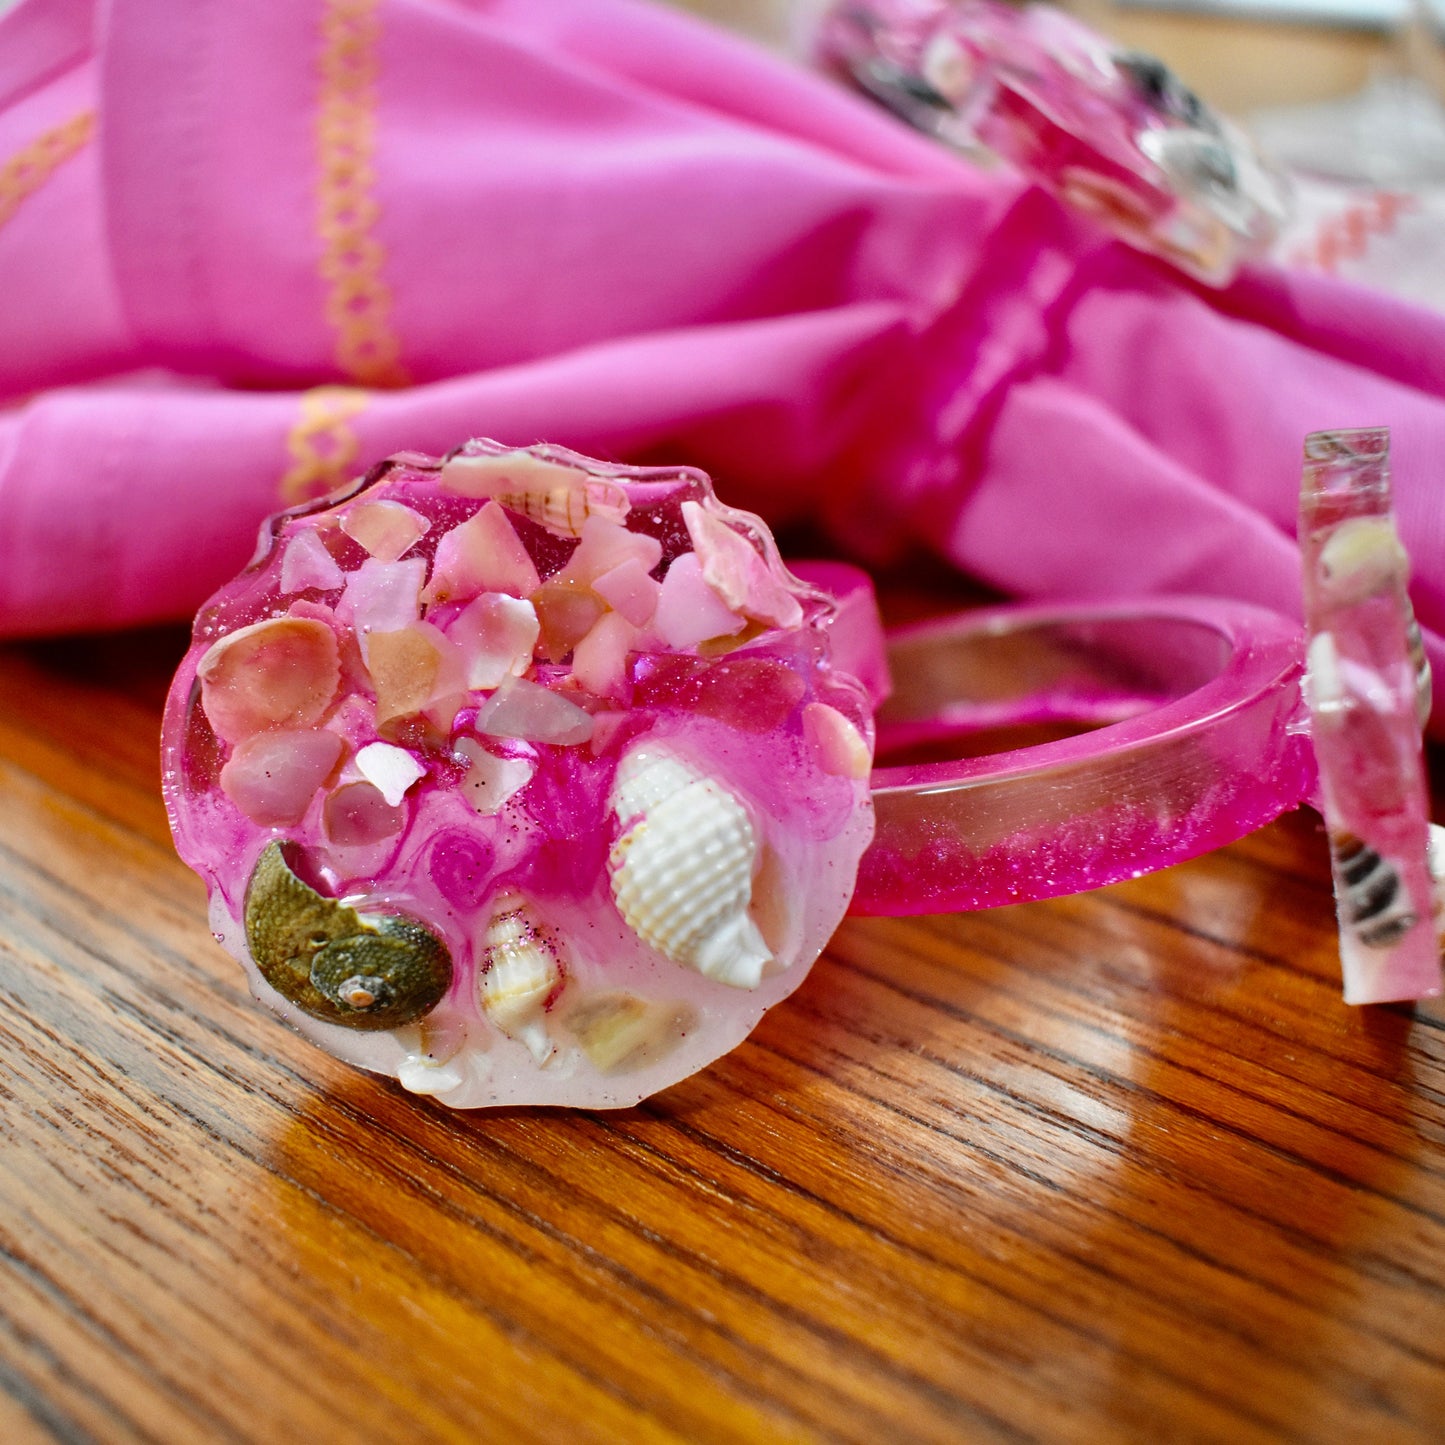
[(682, 870), (519, 973)]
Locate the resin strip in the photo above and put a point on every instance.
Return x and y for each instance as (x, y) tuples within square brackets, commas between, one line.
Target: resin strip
[(1368, 686)]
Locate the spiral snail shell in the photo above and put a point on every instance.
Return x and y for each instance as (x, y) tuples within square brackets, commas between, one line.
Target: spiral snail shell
[(558, 497), (362, 971)]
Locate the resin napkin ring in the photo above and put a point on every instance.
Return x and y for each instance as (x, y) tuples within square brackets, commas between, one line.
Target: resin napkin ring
[(1210, 719), (1113, 133), (526, 778)]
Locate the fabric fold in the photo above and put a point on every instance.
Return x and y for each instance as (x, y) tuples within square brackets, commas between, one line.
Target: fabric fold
[(303, 234)]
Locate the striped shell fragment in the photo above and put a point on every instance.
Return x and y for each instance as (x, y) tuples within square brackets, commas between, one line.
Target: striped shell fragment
[(1373, 900), (556, 496)]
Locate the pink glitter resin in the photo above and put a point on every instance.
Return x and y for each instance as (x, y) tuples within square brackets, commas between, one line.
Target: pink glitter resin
[(1203, 740), (1368, 688), (524, 778), (1110, 131)]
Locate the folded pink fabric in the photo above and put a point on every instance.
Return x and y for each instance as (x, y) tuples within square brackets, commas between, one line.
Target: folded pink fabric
[(248, 249)]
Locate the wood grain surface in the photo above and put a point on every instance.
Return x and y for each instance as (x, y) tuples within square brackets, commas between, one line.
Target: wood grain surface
[(1112, 1168), (1115, 1167)]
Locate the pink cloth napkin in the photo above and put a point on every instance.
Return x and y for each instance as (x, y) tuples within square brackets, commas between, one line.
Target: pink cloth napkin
[(246, 250)]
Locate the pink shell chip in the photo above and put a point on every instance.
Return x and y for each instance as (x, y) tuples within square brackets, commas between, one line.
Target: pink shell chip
[(524, 778)]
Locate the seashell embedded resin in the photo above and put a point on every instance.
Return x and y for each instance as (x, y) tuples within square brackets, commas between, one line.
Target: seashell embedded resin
[(335, 964), (520, 974), (1374, 900), (520, 777), (682, 871)]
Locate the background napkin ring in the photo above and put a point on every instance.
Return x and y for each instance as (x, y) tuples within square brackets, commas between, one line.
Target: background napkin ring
[(1111, 132)]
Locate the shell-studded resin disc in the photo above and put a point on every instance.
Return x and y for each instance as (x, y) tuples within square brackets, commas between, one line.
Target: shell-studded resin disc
[(524, 778)]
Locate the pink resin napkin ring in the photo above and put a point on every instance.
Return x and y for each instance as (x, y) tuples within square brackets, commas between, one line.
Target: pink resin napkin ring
[(527, 778), (1210, 719), (1111, 132), (1199, 738)]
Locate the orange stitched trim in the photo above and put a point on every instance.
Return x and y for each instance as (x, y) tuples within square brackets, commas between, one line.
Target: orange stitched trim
[(1346, 236), (24, 174), (358, 302), (323, 447)]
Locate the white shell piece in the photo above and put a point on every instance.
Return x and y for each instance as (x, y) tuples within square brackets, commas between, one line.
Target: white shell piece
[(1437, 853), (682, 871), (422, 1075), (386, 529), (431, 1061), (1363, 555), (1323, 680), (532, 713), (492, 780), (389, 769), (1435, 863), (519, 974), (307, 563)]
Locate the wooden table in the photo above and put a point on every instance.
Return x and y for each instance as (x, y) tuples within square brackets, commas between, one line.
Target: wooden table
[(1114, 1167), (1119, 1166)]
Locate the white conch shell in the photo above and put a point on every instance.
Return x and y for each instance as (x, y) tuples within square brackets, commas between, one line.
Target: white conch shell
[(519, 973), (682, 871)]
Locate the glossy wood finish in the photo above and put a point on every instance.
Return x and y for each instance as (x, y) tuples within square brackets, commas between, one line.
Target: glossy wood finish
[(1119, 1166)]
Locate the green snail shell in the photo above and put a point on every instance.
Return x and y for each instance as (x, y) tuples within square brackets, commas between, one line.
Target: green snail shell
[(375, 971)]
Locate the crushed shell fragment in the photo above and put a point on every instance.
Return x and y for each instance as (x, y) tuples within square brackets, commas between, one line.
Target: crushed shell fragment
[(282, 672), (431, 1063), (620, 1032), (360, 971), (420, 1075), (682, 870), (519, 974)]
